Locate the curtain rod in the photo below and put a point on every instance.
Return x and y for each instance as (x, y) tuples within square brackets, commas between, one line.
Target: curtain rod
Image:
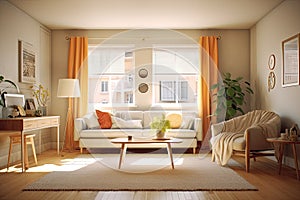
[(104, 38)]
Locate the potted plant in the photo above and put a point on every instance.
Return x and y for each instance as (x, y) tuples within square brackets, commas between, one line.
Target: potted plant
[(160, 125), (230, 95)]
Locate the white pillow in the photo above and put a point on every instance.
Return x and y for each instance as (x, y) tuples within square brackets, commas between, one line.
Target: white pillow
[(187, 122), (121, 123), (91, 121)]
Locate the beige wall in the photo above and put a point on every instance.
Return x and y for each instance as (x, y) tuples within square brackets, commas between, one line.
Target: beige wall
[(16, 25), (266, 38)]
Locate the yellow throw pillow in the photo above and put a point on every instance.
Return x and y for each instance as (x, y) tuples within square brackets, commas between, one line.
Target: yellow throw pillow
[(175, 119)]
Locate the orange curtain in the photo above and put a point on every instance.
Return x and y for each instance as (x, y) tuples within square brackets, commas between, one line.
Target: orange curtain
[(208, 76), (77, 68)]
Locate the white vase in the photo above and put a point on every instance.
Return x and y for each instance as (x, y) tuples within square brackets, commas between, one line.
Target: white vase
[(44, 110)]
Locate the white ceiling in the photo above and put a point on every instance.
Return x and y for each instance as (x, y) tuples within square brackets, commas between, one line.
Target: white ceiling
[(131, 14)]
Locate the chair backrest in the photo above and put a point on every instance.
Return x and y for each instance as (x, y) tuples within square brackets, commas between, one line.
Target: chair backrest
[(241, 123)]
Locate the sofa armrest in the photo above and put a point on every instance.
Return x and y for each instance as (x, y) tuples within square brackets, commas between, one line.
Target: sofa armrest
[(198, 128), (79, 125), (216, 129)]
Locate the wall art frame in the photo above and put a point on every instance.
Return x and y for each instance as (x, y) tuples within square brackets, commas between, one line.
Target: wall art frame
[(27, 62), (290, 58)]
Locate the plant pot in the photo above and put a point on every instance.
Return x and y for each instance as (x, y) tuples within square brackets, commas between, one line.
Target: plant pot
[(160, 134)]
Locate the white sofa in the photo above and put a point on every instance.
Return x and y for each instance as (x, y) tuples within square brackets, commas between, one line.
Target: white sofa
[(136, 124)]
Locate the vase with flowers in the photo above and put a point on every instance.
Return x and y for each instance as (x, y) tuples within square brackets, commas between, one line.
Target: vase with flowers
[(42, 97)]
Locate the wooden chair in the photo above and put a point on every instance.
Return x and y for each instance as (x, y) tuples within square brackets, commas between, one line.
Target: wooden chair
[(16, 139)]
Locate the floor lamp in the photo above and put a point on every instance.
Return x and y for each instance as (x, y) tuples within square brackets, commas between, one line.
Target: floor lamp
[(68, 88)]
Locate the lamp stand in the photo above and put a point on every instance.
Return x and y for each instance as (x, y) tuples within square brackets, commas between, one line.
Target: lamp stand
[(67, 120)]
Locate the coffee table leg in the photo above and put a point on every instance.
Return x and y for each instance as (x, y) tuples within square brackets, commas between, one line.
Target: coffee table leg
[(170, 154), (296, 160), (122, 154)]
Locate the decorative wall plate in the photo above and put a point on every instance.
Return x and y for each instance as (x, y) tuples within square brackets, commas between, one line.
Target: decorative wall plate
[(272, 62), (143, 73), (143, 88), (271, 81)]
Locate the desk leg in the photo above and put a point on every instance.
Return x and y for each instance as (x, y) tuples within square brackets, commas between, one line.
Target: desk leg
[(296, 160), (122, 154), (57, 136), (170, 154), (26, 154), (22, 151), (281, 150)]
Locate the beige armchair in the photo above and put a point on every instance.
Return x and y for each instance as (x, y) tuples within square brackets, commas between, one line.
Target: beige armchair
[(244, 135)]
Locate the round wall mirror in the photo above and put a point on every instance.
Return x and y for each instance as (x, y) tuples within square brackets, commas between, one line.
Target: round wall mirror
[(143, 88), (143, 73)]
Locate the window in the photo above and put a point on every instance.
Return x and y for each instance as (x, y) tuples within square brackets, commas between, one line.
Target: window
[(175, 75), (111, 76), (167, 89), (104, 86)]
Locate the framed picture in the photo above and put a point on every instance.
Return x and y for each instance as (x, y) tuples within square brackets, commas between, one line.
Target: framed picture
[(27, 62), (290, 53), (29, 104)]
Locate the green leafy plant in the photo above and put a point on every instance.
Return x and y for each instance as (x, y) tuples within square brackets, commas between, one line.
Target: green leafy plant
[(5, 84), (160, 124), (230, 95)]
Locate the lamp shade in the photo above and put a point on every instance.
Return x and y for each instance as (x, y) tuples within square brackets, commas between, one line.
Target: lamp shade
[(68, 88)]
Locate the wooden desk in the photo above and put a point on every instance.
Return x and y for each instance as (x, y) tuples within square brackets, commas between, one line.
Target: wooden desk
[(125, 141), (26, 124), (282, 143)]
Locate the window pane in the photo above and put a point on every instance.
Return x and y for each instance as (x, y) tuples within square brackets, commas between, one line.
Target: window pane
[(175, 74), (167, 89), (111, 76)]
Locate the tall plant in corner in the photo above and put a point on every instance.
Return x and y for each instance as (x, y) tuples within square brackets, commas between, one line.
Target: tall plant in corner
[(230, 95), (5, 84)]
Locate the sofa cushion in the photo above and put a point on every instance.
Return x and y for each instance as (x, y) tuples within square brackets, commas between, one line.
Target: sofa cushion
[(104, 119), (130, 115), (239, 144), (150, 115), (91, 121), (121, 123), (187, 122), (175, 119)]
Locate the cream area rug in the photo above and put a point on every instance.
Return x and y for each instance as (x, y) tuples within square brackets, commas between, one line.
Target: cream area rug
[(141, 172)]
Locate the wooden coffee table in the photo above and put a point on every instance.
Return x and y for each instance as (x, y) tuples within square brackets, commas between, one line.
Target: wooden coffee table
[(125, 141)]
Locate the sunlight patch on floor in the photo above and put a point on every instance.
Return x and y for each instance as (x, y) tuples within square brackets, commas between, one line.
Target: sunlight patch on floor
[(66, 165)]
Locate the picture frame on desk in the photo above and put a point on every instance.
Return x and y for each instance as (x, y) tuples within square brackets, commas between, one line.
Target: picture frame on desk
[(30, 107)]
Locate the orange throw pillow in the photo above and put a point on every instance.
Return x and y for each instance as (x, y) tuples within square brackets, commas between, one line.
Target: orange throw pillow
[(104, 119)]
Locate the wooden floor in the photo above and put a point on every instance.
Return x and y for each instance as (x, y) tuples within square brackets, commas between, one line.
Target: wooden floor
[(263, 175)]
